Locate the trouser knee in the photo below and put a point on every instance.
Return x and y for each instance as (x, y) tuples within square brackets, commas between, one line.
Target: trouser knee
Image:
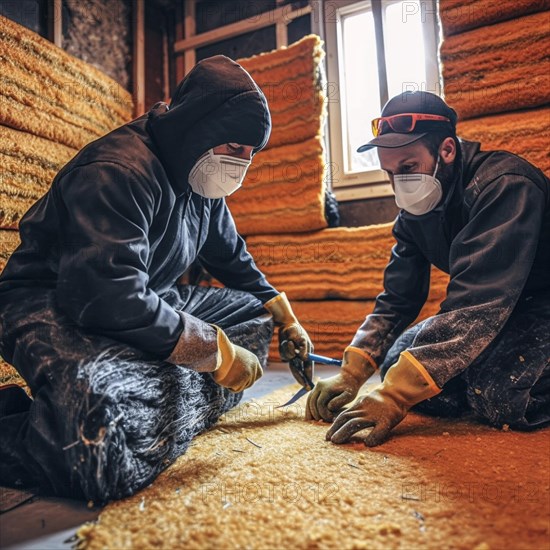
[(497, 406)]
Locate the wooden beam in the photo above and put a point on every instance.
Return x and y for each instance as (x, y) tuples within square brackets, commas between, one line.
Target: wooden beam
[(179, 61), (380, 50), (189, 55), (165, 65), (281, 31), (55, 10), (139, 57), (283, 14)]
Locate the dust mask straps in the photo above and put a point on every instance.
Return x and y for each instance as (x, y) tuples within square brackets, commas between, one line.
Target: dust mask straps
[(216, 176), (418, 193)]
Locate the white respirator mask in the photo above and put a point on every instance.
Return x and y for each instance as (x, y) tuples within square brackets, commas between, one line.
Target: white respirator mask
[(216, 176), (418, 193)]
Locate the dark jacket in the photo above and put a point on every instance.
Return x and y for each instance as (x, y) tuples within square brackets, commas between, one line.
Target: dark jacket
[(492, 235), (120, 224)]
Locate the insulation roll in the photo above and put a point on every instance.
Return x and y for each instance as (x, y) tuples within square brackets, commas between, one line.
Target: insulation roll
[(51, 94), (498, 68), (29, 164), (9, 241), (285, 188), (340, 263), (462, 15), (525, 133)]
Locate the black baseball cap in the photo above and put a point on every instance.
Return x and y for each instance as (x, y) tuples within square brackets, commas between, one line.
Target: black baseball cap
[(412, 102)]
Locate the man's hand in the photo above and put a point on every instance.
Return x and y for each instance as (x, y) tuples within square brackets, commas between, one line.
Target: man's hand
[(373, 410), (406, 383), (330, 395), (293, 339), (237, 368)]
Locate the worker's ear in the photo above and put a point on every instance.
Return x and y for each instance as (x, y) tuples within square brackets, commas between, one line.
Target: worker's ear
[(447, 150)]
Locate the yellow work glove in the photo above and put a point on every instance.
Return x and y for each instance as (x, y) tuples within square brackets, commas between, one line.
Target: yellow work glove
[(293, 339), (294, 342), (406, 384), (237, 368), (330, 395)]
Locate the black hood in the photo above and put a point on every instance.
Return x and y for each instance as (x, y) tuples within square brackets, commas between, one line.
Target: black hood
[(216, 103)]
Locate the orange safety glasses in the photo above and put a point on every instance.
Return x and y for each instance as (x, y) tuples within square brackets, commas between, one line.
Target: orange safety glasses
[(403, 123)]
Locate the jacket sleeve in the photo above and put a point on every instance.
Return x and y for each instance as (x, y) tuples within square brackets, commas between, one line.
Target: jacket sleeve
[(490, 261), (225, 256), (406, 285), (103, 277)]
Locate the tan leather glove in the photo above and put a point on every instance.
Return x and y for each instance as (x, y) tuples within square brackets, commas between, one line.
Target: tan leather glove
[(406, 384), (329, 396), (294, 342), (237, 368), (293, 339)]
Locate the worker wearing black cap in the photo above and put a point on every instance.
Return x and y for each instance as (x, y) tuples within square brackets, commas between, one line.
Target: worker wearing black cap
[(484, 218), (125, 364)]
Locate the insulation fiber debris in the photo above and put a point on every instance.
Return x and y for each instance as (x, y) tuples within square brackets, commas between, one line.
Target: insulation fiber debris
[(29, 164), (498, 68), (265, 478), (284, 189), (51, 94), (526, 133), (461, 15), (331, 324)]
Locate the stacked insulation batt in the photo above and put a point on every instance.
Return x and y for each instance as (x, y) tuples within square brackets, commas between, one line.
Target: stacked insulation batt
[(51, 105), (496, 73), (284, 190), (332, 278)]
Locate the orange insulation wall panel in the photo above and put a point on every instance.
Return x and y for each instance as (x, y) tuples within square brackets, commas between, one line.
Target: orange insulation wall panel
[(498, 68)]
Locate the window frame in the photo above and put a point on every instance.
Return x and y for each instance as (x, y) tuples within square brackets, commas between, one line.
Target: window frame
[(369, 183)]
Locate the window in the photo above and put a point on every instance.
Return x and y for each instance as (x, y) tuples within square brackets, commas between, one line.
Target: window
[(375, 49)]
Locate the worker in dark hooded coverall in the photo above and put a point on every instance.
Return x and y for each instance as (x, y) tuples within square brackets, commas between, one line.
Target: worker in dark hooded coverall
[(124, 365), (484, 218)]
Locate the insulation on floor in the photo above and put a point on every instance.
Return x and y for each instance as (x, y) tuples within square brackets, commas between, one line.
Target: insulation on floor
[(263, 478), (284, 190), (498, 68), (526, 133)]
